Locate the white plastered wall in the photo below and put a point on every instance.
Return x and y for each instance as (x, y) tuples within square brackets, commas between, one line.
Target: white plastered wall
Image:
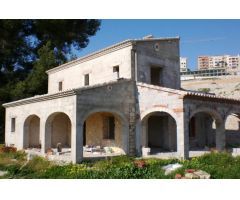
[(100, 70)]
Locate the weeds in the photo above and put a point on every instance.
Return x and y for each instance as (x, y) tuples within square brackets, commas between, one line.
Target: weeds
[(219, 165)]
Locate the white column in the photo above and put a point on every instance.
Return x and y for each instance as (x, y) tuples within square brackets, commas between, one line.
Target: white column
[(20, 136), (46, 134), (43, 136)]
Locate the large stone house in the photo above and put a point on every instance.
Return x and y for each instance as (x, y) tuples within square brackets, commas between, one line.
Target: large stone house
[(127, 96)]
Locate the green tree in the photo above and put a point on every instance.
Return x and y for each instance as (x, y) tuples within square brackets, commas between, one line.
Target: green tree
[(30, 47), (37, 80)]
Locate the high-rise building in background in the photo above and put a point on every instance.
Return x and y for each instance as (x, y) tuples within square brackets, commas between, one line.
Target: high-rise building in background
[(230, 63), (183, 64), (203, 62), (210, 66)]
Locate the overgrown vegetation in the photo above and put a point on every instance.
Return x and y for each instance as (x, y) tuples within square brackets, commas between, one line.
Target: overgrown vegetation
[(219, 165)]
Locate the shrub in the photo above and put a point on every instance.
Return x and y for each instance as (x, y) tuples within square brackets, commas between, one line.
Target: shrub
[(6, 149), (205, 90), (219, 165), (140, 163)]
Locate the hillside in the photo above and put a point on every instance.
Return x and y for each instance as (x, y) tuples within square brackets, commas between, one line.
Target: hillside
[(228, 86)]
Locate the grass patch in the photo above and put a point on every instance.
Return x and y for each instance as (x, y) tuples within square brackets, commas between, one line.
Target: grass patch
[(219, 165)]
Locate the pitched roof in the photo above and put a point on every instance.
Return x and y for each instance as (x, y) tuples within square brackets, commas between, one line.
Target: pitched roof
[(106, 50), (61, 94), (205, 96)]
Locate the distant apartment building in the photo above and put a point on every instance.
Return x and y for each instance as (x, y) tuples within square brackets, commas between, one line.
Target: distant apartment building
[(234, 61), (212, 66), (183, 64), (230, 63), (203, 62)]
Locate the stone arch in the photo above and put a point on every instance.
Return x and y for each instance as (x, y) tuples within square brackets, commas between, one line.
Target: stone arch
[(232, 128), (206, 129), (151, 110), (216, 115), (159, 130), (93, 132), (58, 128), (31, 132), (116, 112)]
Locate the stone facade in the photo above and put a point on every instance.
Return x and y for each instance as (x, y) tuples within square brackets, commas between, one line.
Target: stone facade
[(131, 99)]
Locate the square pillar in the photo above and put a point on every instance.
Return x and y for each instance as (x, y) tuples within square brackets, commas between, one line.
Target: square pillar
[(46, 135), (220, 136), (182, 136), (44, 146), (77, 143), (138, 138)]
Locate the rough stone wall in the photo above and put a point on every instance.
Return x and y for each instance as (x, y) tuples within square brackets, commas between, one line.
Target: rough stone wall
[(205, 132), (161, 132), (156, 137), (116, 98), (225, 86), (100, 70), (166, 58), (232, 131), (158, 98), (94, 131), (219, 112), (172, 134), (153, 99)]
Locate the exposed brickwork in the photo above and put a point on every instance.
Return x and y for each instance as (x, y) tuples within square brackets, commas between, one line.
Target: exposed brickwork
[(176, 110), (161, 106)]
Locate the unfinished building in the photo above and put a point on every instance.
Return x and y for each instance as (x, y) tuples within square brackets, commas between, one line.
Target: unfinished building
[(126, 98)]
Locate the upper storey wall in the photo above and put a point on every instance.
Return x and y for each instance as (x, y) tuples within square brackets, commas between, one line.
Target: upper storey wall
[(158, 61), (100, 70)]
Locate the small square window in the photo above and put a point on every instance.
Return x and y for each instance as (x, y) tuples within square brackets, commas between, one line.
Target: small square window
[(116, 71), (13, 124), (116, 68), (60, 86), (86, 79), (156, 76)]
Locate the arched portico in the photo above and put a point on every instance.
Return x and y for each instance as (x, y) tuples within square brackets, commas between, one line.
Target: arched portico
[(58, 130), (31, 132), (232, 129), (106, 128), (159, 131), (206, 130)]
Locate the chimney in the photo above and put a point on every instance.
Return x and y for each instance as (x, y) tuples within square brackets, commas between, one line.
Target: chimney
[(148, 37)]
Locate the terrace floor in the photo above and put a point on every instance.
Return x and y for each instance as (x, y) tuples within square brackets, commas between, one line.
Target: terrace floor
[(65, 155)]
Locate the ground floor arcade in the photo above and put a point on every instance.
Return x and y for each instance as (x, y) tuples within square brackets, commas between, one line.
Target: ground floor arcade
[(163, 122)]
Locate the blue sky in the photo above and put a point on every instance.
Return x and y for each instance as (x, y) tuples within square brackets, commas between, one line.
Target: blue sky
[(198, 37)]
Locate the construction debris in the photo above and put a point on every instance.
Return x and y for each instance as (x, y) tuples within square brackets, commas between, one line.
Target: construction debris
[(3, 173), (193, 174), (171, 167)]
